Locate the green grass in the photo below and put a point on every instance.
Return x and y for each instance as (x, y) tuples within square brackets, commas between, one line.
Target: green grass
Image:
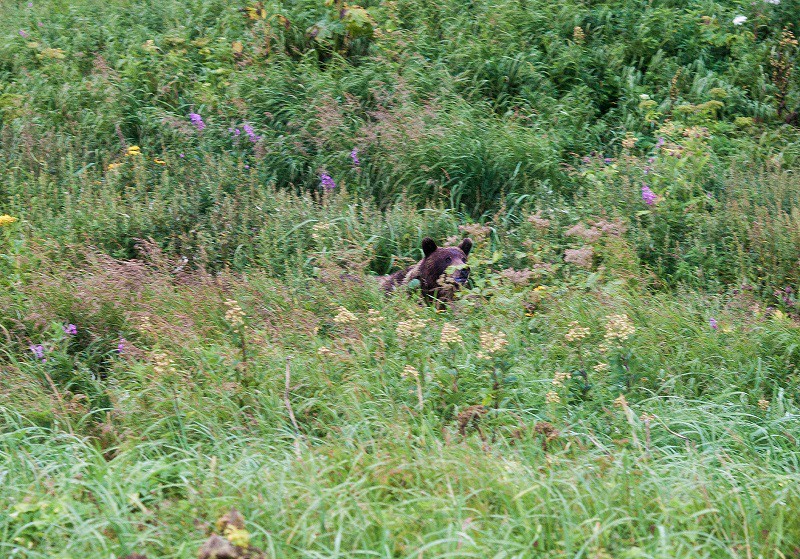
[(667, 429)]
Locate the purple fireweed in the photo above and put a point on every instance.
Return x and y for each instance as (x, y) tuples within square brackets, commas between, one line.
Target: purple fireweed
[(70, 329), (197, 120), (22, 33), (38, 351), (354, 157), (121, 345), (327, 182), (251, 133), (660, 142), (713, 323), (648, 196)]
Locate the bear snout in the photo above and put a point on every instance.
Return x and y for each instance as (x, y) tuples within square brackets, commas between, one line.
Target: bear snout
[(461, 275)]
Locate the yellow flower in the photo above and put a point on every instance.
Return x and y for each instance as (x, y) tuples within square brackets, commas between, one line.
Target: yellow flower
[(112, 166), (576, 332), (450, 335), (160, 161), (493, 342), (552, 398), (763, 404), (7, 220), (619, 328), (134, 150), (238, 536), (345, 317)]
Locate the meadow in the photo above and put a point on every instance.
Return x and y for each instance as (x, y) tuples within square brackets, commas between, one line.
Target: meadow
[(196, 197)]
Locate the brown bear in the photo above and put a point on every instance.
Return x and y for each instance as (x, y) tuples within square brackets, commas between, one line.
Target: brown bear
[(440, 273)]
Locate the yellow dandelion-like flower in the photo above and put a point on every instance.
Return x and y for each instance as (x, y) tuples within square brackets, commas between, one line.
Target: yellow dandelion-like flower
[(493, 342), (619, 328), (621, 402), (234, 315), (763, 404), (7, 220), (345, 317), (576, 332), (112, 166), (450, 335), (159, 161), (560, 377), (374, 317), (552, 397), (410, 329), (133, 150)]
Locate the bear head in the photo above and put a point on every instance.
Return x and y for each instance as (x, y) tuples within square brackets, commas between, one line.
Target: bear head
[(443, 269)]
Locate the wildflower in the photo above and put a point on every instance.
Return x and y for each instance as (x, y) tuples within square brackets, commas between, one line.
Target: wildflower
[(559, 378), (629, 142), (374, 317), (619, 328), (601, 367), (354, 157), (121, 345), (162, 364), (713, 323), (251, 133), (608, 161), (493, 342), (327, 182), (38, 351), (763, 404), (621, 402), (159, 161), (410, 329), (648, 196), (22, 33), (579, 256), (578, 35), (133, 150), (197, 120), (538, 221), (450, 335), (112, 166), (660, 143), (181, 155), (324, 351), (576, 332), (234, 315), (7, 220), (345, 317), (409, 371), (70, 329), (552, 397), (738, 20)]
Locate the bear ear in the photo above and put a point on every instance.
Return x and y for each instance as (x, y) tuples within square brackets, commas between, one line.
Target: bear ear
[(466, 246), (428, 246)]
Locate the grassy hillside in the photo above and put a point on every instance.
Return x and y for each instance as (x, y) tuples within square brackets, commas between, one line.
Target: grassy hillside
[(195, 197)]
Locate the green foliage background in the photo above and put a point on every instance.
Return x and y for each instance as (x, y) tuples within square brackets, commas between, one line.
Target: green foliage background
[(531, 126)]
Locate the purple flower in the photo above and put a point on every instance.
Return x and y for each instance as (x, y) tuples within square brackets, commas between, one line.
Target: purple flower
[(648, 196), (327, 182), (197, 120), (22, 33), (181, 156), (235, 131), (713, 323), (660, 142), (586, 159), (38, 351), (647, 169), (608, 161), (30, 4), (70, 329), (251, 133), (121, 345), (247, 166), (354, 157)]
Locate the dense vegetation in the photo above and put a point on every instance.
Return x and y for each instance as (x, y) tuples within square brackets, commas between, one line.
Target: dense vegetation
[(194, 197)]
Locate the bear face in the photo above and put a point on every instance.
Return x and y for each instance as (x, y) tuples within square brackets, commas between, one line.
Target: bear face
[(440, 273), (443, 267)]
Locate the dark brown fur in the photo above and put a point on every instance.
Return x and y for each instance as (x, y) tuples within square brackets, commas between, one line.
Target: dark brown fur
[(440, 273)]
